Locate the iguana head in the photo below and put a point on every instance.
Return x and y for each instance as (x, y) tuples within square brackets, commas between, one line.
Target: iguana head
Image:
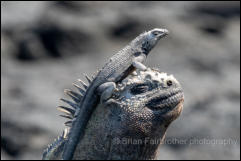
[(149, 101), (147, 40), (140, 110)]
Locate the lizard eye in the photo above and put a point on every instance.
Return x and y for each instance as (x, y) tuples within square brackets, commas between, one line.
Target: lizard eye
[(138, 89), (156, 33)]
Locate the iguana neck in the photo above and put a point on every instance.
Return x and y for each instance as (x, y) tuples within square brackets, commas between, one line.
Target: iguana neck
[(107, 138)]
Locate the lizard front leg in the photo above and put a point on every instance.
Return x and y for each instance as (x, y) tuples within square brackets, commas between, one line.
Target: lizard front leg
[(105, 90), (137, 61)]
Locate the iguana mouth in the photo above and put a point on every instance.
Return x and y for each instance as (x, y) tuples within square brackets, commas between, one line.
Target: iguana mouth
[(166, 101)]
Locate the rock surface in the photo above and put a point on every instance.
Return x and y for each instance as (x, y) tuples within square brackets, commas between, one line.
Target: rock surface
[(48, 45)]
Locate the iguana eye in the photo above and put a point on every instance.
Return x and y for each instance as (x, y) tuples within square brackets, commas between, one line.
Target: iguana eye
[(138, 89), (169, 83)]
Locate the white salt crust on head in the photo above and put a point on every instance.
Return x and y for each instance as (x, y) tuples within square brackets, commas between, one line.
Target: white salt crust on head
[(143, 76), (149, 74)]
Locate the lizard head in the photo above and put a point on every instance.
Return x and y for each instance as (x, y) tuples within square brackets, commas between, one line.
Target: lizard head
[(149, 101), (147, 40)]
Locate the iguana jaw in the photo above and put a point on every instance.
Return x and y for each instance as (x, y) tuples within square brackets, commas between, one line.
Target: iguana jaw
[(166, 100)]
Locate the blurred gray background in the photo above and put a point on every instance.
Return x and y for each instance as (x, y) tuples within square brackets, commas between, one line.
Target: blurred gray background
[(45, 46)]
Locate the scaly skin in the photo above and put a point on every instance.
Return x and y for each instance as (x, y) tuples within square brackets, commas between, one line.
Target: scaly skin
[(118, 67), (132, 123)]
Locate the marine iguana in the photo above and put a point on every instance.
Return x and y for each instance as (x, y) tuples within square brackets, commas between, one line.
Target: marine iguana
[(132, 123), (116, 69)]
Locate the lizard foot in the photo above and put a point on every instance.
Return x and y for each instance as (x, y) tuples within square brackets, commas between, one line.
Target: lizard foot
[(105, 90)]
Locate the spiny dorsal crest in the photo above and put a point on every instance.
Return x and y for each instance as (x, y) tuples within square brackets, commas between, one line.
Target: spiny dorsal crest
[(57, 142), (69, 112)]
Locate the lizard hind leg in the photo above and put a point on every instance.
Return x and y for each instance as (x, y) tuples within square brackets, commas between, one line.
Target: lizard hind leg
[(105, 90)]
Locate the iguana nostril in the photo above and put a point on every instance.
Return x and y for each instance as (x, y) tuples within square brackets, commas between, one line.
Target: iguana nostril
[(169, 82)]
